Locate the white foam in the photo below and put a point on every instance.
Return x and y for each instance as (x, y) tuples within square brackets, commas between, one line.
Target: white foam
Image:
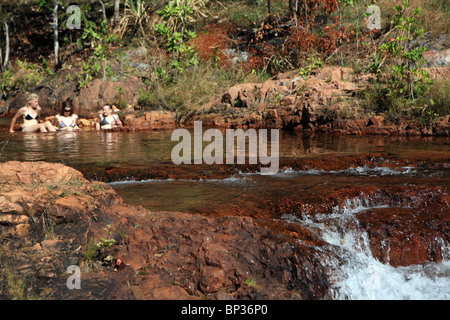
[(232, 179), (376, 171), (356, 275)]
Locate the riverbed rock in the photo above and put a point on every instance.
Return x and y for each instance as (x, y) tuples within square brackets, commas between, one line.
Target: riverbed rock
[(405, 225), (52, 218)]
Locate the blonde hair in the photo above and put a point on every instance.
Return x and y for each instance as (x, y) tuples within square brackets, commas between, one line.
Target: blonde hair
[(33, 96)]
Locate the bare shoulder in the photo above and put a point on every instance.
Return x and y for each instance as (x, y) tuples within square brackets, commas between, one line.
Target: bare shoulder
[(21, 111)]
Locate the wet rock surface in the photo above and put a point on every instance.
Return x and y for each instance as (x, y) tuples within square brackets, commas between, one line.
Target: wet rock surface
[(52, 218), (327, 163), (405, 224)]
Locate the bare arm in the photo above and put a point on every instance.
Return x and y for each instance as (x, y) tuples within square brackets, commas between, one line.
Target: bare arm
[(55, 121), (14, 119), (119, 123), (97, 122)]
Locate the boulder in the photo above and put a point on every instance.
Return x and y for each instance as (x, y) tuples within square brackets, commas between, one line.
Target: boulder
[(92, 97), (437, 59), (53, 219)]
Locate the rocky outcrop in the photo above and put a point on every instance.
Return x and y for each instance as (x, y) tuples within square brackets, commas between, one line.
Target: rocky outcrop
[(324, 102), (155, 120), (405, 225), (437, 59), (52, 218), (92, 97), (191, 256)]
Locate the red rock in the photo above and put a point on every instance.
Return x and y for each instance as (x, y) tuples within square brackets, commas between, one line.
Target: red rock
[(212, 279), (166, 255), (376, 121)]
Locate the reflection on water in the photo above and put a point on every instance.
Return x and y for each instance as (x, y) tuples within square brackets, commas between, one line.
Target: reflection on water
[(247, 194), (251, 191), (153, 147), (87, 148)]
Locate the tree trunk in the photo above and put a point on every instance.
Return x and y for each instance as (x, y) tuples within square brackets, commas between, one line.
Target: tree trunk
[(5, 63), (55, 32), (103, 9), (116, 12)]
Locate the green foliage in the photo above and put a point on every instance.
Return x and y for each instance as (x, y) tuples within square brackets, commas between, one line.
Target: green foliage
[(176, 34), (92, 67), (106, 243), (434, 104), (98, 38), (22, 76), (405, 80), (135, 17), (312, 65), (91, 250), (31, 71), (175, 13), (6, 79)]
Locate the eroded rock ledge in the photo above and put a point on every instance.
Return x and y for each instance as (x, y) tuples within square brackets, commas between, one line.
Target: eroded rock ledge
[(51, 217)]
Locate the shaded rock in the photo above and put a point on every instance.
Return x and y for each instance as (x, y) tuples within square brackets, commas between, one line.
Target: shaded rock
[(91, 98)]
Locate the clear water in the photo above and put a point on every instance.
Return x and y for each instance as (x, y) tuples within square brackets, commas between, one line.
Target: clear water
[(154, 147)]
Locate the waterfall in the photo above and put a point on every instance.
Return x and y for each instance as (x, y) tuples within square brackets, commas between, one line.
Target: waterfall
[(353, 271)]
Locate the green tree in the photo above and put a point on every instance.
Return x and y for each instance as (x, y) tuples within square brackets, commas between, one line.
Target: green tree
[(401, 81)]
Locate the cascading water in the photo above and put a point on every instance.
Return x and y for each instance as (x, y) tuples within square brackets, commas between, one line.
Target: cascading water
[(354, 272), (313, 167)]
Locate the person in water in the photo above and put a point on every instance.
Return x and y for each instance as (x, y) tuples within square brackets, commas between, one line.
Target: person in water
[(30, 114), (67, 120), (108, 120)]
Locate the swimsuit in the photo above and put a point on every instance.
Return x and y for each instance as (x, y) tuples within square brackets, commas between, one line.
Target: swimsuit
[(63, 125), (29, 118), (105, 122)]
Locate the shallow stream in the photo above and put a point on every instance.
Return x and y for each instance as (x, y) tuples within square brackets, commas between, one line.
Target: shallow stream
[(356, 274)]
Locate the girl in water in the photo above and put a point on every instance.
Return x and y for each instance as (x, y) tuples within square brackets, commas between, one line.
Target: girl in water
[(30, 114), (107, 120), (67, 120)]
